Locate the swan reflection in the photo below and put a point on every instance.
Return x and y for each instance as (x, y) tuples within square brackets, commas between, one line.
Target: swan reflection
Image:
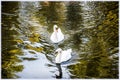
[(60, 71)]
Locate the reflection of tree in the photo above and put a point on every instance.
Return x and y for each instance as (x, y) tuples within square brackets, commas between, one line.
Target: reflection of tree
[(53, 12), (101, 57), (106, 42), (73, 15), (9, 49)]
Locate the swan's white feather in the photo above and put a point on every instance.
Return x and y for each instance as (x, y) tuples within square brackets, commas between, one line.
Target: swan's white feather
[(56, 36), (63, 56)]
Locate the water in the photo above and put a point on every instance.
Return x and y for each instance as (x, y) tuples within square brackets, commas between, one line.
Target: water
[(90, 29)]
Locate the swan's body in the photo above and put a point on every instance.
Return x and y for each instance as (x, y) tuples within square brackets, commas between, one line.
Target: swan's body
[(63, 56), (57, 35)]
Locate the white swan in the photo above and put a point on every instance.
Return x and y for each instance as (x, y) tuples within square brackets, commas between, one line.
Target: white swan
[(63, 56), (57, 35)]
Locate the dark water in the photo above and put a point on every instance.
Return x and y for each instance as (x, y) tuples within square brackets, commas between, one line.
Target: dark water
[(90, 29)]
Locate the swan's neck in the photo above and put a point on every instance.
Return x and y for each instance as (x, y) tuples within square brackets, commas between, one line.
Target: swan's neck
[(60, 55), (56, 35)]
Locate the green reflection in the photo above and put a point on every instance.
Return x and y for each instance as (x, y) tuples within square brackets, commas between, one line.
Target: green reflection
[(52, 13), (100, 57), (74, 17), (9, 50)]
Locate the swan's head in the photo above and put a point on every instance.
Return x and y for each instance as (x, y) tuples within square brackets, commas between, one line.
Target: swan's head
[(55, 28), (59, 50)]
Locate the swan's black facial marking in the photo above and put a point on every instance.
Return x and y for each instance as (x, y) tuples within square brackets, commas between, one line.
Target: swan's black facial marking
[(56, 29)]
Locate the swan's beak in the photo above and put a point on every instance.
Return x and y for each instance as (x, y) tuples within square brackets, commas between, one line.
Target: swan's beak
[(56, 53)]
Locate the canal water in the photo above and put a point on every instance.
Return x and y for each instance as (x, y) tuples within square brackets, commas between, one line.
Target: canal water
[(90, 29)]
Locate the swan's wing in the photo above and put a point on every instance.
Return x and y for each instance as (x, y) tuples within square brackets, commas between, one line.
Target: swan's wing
[(66, 55), (59, 30), (69, 50), (54, 38), (60, 35)]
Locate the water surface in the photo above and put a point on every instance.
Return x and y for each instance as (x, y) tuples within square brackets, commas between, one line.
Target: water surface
[(90, 29)]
